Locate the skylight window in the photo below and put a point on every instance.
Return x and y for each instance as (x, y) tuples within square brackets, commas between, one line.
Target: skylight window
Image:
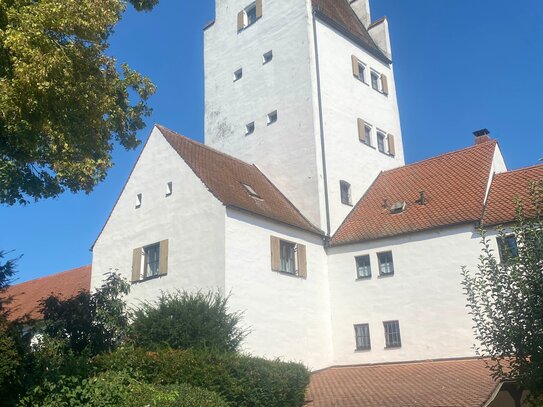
[(250, 190)]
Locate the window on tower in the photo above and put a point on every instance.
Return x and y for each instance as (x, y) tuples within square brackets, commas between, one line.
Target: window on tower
[(345, 188), (249, 15), (238, 75), (272, 117), (375, 81), (381, 142), (249, 128), (267, 57)]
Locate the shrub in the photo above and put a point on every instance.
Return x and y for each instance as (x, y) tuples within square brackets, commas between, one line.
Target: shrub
[(187, 321), (118, 390), (240, 380)]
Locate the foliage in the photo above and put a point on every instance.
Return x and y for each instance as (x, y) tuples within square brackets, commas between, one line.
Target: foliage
[(92, 323), (186, 320), (118, 390), (241, 380), (7, 272), (63, 101), (506, 301)]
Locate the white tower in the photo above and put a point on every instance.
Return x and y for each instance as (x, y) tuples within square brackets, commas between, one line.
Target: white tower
[(305, 90)]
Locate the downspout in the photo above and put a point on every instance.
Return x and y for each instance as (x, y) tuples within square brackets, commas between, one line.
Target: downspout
[(321, 124)]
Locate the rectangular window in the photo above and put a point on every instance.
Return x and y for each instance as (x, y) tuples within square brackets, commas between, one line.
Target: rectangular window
[(381, 142), (238, 75), (367, 134), (363, 267), (345, 188), (249, 128), (362, 334), (361, 71), (375, 79), (507, 247), (288, 257), (386, 263), (139, 198), (250, 13), (392, 334), (150, 261), (151, 256), (267, 57), (272, 117), (169, 188)]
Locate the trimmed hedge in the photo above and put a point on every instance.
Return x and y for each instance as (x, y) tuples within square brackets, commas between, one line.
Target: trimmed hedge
[(241, 380), (118, 390)]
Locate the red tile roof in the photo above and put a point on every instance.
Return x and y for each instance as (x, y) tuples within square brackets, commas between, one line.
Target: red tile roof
[(26, 297), (340, 13), (454, 186), (224, 176), (506, 189), (459, 383)]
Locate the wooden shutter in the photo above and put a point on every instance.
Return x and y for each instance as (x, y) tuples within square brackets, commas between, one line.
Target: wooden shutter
[(163, 258), (258, 8), (391, 145), (362, 130), (275, 253), (136, 264), (384, 84), (241, 20), (356, 66), (302, 261)]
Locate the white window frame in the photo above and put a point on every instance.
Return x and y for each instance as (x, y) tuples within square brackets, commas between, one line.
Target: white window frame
[(368, 142), (385, 147), (393, 338), (362, 70), (388, 266)]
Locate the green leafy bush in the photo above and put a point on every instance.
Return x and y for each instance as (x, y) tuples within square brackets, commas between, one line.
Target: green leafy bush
[(118, 390), (185, 320), (240, 380)]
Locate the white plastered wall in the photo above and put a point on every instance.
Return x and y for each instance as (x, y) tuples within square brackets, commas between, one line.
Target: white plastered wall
[(288, 316), (285, 151), (424, 294), (192, 219), (344, 100)]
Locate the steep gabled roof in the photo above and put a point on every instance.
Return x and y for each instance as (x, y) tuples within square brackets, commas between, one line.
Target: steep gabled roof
[(506, 188), (340, 14), (454, 187), (460, 383), (225, 177), (26, 297)]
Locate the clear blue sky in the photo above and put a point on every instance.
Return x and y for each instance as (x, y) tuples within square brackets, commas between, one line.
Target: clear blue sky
[(460, 65)]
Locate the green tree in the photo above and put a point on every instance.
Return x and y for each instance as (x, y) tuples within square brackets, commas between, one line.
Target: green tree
[(186, 320), (505, 300), (63, 101), (89, 322)]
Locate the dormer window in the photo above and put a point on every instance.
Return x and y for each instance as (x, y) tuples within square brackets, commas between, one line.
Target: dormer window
[(249, 15), (345, 188), (251, 191)]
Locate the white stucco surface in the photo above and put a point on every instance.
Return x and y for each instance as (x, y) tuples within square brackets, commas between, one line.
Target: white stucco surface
[(289, 316), (192, 219)]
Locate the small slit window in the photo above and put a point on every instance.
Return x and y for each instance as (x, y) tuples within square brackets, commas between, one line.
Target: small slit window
[(249, 128), (169, 188), (238, 74), (345, 189), (267, 57), (272, 117), (139, 198)]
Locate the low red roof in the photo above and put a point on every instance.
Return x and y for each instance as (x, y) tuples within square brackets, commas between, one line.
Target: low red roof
[(225, 177), (26, 297), (454, 187), (459, 383), (506, 189)]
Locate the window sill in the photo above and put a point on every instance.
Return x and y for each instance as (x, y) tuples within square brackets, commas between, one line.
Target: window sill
[(249, 25), (365, 350), (347, 204), (149, 279), (286, 273), (368, 145), (385, 275), (361, 80), (363, 278), (393, 347)]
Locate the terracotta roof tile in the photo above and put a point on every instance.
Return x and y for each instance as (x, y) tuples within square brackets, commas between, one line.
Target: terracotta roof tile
[(225, 177), (342, 14), (454, 186), (459, 383), (26, 297), (506, 188)]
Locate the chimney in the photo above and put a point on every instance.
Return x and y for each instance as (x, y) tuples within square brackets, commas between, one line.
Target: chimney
[(481, 136), (362, 10)]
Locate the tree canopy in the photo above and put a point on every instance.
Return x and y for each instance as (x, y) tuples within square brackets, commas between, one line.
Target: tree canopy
[(505, 299), (64, 102)]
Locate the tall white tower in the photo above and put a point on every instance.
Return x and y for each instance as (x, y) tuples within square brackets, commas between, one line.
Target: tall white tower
[(305, 90)]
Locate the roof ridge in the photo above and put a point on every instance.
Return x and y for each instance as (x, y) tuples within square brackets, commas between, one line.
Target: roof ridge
[(51, 275), (494, 142), (530, 167), (410, 363), (199, 144)]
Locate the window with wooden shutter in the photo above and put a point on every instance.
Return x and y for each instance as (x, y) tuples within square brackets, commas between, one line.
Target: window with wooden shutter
[(258, 9), (136, 264), (302, 261), (362, 130), (391, 145), (163, 258), (384, 84), (275, 253), (356, 66), (241, 20), (288, 257)]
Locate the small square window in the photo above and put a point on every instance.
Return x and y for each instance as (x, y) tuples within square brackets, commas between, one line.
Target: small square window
[(139, 198), (345, 188), (238, 75), (367, 134), (272, 117), (375, 79), (151, 256), (363, 267), (507, 247), (288, 257), (362, 334), (169, 188), (386, 263), (392, 334), (249, 128), (381, 142), (267, 57)]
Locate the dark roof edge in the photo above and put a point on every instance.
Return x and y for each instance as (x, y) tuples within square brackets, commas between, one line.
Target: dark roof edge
[(374, 51), (209, 24), (377, 22)]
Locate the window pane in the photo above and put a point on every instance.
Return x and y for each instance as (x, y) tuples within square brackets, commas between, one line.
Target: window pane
[(375, 81), (362, 72), (381, 142), (367, 135), (508, 248), (362, 334), (345, 188), (392, 334), (251, 14), (363, 266), (288, 257), (386, 264), (152, 255)]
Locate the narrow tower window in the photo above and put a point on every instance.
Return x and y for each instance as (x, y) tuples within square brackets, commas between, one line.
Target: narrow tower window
[(169, 188), (267, 57), (138, 200), (272, 117), (249, 128), (375, 81), (238, 74), (345, 188)]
